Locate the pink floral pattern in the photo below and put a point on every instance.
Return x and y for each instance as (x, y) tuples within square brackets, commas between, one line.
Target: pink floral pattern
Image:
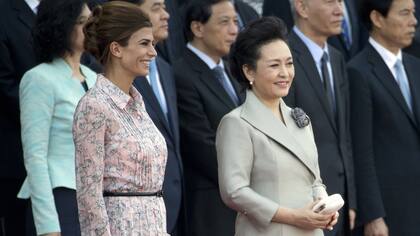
[(118, 149)]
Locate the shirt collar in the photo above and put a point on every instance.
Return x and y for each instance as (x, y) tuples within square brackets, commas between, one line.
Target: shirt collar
[(33, 4), (316, 51), (389, 57), (204, 57), (118, 96)]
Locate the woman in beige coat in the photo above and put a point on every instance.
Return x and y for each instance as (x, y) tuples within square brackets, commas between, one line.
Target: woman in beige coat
[(268, 164)]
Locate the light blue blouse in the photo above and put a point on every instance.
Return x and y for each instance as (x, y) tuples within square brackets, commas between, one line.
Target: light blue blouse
[(48, 96)]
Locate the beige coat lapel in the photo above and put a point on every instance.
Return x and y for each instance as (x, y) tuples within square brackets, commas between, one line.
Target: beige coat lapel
[(261, 118)]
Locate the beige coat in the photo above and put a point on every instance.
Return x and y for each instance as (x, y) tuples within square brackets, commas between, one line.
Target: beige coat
[(264, 164)]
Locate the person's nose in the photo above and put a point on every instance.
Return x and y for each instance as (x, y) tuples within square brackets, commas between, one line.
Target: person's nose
[(165, 14)]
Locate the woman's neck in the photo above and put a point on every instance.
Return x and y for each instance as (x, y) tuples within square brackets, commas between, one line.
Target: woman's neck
[(73, 60), (272, 104), (120, 78)]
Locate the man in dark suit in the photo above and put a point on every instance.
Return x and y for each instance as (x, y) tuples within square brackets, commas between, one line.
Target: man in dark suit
[(352, 37), (206, 92), (173, 47), (17, 18), (320, 88), (159, 95), (385, 122)]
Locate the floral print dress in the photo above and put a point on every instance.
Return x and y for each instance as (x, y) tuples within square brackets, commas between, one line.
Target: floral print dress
[(118, 149)]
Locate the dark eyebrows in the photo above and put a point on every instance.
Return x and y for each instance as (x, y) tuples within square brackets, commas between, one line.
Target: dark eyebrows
[(279, 60), (158, 4), (144, 40)]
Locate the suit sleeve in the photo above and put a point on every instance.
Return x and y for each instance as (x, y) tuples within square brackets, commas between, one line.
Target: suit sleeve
[(197, 135), (37, 107), (370, 204), (89, 128), (235, 158)]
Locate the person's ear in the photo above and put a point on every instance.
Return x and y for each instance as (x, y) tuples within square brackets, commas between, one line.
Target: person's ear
[(197, 29), (377, 19), (249, 73), (301, 8), (115, 49)]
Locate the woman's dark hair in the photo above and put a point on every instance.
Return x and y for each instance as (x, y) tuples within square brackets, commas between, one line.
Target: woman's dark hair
[(198, 10), (246, 49), (114, 21), (54, 25), (137, 2), (367, 6)]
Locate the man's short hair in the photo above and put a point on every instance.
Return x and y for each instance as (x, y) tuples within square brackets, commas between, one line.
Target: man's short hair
[(198, 10), (367, 6)]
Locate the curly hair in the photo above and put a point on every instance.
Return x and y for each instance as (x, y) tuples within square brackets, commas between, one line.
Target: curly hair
[(53, 27)]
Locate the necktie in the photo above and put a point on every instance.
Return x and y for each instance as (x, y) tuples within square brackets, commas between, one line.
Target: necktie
[(327, 82), (218, 72), (155, 87), (402, 81)]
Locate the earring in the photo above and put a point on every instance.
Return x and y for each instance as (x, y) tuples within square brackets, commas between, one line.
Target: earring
[(251, 83)]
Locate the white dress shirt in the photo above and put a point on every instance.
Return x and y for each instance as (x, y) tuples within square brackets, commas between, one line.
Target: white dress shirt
[(317, 52), (33, 4)]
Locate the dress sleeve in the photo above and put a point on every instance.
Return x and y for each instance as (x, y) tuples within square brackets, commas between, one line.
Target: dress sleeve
[(235, 157), (89, 130), (37, 107)]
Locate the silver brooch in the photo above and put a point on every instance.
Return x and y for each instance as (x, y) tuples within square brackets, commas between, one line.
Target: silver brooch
[(300, 117)]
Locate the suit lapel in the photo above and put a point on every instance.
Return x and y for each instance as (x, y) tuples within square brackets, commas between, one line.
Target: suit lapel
[(168, 89), (384, 75), (149, 97), (25, 14), (304, 57), (207, 77), (260, 117)]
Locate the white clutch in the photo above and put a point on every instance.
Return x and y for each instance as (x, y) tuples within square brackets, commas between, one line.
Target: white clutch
[(329, 205)]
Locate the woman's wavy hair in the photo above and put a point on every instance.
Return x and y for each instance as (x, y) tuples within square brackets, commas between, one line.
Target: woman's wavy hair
[(53, 28), (113, 21)]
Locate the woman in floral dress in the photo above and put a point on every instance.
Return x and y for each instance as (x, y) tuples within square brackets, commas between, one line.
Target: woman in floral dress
[(120, 154)]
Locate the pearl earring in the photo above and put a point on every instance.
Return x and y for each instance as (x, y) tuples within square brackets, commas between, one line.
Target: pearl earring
[(251, 82)]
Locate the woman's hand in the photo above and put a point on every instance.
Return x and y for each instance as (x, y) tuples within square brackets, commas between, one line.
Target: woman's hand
[(306, 218)]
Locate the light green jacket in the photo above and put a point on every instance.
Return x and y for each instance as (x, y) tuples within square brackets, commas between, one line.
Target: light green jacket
[(48, 96)]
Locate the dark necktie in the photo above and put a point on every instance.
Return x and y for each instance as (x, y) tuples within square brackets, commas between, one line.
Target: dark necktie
[(327, 82), (218, 72)]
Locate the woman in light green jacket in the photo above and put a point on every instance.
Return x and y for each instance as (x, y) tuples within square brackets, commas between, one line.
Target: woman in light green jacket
[(49, 94)]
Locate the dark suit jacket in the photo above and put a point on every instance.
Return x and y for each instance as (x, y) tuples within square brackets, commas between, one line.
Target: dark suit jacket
[(332, 135), (173, 181), (282, 9), (386, 141), (16, 57), (202, 103), (246, 12), (173, 47)]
